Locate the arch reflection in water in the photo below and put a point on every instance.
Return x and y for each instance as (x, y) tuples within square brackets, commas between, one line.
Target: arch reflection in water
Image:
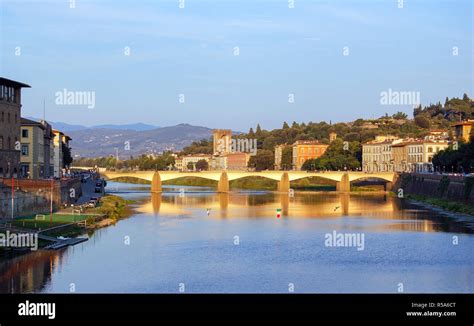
[(302, 205)]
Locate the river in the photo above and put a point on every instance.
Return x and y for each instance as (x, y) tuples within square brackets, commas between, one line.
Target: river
[(192, 240)]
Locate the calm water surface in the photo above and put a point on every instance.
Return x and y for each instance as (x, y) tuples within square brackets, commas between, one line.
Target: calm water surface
[(241, 246)]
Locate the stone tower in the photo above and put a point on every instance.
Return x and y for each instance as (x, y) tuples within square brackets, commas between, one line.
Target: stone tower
[(222, 141)]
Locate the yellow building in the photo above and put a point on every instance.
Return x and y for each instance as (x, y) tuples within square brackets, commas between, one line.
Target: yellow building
[(462, 130), (32, 149), (304, 150)]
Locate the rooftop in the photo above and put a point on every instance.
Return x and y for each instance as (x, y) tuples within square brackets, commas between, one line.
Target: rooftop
[(464, 123), (28, 122), (308, 142), (12, 83)]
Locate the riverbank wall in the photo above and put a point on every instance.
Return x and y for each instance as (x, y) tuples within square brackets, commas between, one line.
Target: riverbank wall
[(34, 196), (454, 188)]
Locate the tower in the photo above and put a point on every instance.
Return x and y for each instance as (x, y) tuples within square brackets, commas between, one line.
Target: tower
[(222, 141)]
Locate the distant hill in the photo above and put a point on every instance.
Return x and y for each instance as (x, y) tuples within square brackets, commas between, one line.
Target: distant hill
[(66, 127), (134, 126), (95, 142)]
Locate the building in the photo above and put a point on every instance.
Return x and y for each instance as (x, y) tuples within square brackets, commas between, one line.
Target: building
[(416, 155), (193, 159), (60, 141), (377, 155), (462, 130), (400, 157), (304, 150), (222, 141), (178, 163), (437, 135), (10, 119), (218, 163), (279, 156), (237, 161), (48, 149), (32, 149), (332, 137), (420, 154)]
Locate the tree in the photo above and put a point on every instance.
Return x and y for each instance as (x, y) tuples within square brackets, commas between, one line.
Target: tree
[(67, 157), (269, 142), (310, 165), (287, 157), (190, 166), (202, 165), (352, 136), (285, 125), (264, 160), (422, 122), (203, 146), (400, 116), (340, 155)]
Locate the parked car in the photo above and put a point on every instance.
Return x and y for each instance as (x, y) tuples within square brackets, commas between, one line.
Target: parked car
[(92, 202)]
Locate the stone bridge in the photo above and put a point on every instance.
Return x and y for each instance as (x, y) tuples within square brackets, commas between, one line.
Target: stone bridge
[(342, 178)]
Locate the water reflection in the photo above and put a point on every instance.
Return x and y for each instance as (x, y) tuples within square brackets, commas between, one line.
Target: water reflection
[(28, 273), (323, 205), (375, 213)]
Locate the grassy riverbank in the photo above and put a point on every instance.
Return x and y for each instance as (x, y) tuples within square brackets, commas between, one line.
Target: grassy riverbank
[(110, 209), (445, 204)]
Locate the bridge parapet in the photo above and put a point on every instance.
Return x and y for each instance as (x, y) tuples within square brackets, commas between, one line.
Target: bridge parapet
[(342, 178)]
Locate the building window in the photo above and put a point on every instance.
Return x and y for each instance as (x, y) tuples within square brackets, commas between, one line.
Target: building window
[(430, 149), (24, 133), (1, 142), (24, 150)]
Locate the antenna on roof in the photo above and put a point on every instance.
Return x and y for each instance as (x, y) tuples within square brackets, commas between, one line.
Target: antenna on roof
[(44, 109)]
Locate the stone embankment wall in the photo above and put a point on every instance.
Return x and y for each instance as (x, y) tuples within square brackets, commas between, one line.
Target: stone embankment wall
[(34, 196), (455, 188)]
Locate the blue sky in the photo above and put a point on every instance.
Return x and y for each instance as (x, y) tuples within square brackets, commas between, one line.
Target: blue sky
[(190, 51)]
